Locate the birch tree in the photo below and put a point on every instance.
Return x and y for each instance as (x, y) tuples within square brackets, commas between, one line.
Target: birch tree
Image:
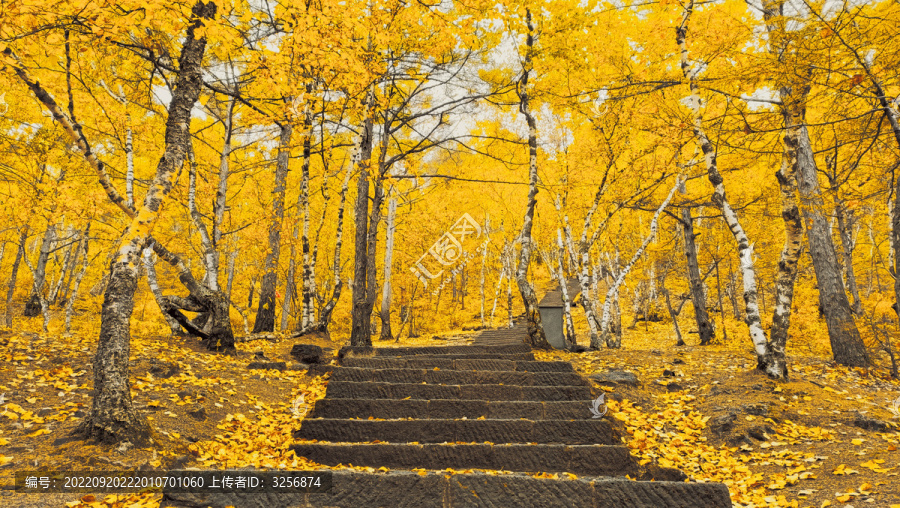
[(745, 249), (112, 416)]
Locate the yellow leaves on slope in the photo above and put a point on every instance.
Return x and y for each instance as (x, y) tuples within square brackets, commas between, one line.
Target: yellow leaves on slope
[(261, 441), (672, 438)]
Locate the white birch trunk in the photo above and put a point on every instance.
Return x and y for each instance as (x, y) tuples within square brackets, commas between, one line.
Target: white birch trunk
[(210, 259), (563, 285), (487, 228), (45, 307), (70, 303), (745, 249), (153, 282), (606, 336), (390, 226)]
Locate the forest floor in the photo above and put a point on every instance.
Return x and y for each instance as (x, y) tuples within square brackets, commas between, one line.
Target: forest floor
[(703, 410)]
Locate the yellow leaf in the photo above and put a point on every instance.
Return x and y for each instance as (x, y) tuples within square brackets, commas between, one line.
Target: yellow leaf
[(857, 442), (3, 441), (4, 460), (39, 432)]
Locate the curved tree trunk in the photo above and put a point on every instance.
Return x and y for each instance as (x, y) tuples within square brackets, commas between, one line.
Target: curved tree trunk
[(536, 335), (153, 283), (606, 335), (745, 250), (112, 416)]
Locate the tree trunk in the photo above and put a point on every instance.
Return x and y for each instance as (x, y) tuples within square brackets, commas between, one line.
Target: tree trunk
[(112, 416), (33, 304), (307, 314), (230, 283), (845, 224), (487, 230), (11, 288), (704, 328), (65, 271), (360, 319), (327, 309), (210, 256), (83, 250), (605, 335), (571, 341), (153, 283), (388, 259), (674, 316), (290, 289), (43, 305), (509, 295), (846, 343), (745, 250), (265, 315), (536, 337), (774, 363)]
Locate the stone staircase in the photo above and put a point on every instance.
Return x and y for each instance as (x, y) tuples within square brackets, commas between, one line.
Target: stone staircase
[(471, 407)]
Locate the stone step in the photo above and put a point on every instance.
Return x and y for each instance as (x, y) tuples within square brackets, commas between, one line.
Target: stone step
[(351, 390), (458, 377), (403, 489), (459, 431), (590, 460), (450, 409), (451, 364), (435, 350), (468, 356)]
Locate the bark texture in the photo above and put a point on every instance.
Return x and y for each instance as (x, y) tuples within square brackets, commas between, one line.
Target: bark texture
[(33, 304), (386, 333), (112, 417), (360, 331), (774, 363), (265, 314), (846, 344), (11, 287), (327, 306), (698, 297), (745, 249), (536, 337)]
